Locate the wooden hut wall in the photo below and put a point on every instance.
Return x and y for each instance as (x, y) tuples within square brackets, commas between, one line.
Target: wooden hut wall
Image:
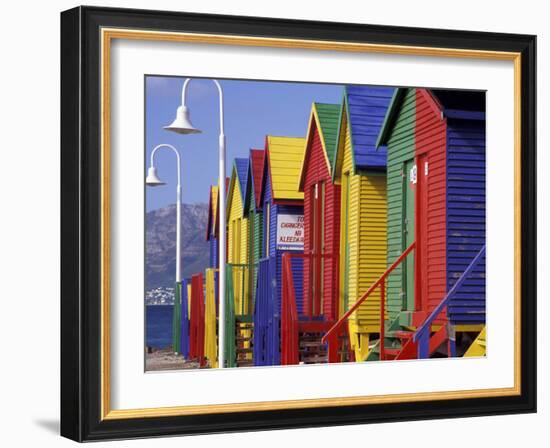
[(364, 260), (317, 179), (466, 216), (431, 142), (237, 236), (401, 148)]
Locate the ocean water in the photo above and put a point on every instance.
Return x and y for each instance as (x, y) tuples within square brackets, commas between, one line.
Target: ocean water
[(158, 326)]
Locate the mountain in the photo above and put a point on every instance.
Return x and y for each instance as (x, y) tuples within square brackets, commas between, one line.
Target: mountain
[(160, 244)]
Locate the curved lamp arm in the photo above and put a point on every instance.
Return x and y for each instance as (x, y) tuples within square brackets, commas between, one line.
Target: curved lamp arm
[(220, 92), (165, 145)]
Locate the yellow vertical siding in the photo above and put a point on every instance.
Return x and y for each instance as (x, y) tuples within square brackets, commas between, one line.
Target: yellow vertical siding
[(366, 239), (237, 237), (210, 338), (189, 300), (286, 155), (372, 233)]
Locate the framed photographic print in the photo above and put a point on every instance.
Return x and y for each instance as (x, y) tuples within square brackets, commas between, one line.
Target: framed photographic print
[(275, 224)]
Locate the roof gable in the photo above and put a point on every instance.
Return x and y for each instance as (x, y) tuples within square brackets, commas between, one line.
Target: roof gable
[(328, 116), (239, 177), (257, 162), (391, 116), (366, 108), (284, 160), (325, 119), (452, 104), (241, 165)]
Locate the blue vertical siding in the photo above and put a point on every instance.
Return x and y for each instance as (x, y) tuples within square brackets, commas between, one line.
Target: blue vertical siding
[(268, 312), (241, 164), (262, 316), (213, 247), (466, 217)]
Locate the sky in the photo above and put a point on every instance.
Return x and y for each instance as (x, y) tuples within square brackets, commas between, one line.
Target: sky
[(252, 110)]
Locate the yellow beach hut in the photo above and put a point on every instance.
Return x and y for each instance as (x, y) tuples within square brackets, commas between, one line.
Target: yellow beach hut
[(360, 169), (239, 303)]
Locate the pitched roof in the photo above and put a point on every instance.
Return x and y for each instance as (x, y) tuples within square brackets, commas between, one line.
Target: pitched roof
[(284, 160), (328, 117), (366, 108), (239, 173), (457, 104), (257, 160), (241, 166), (325, 118)]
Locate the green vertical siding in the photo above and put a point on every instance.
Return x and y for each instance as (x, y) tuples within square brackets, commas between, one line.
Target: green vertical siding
[(255, 229), (401, 147)]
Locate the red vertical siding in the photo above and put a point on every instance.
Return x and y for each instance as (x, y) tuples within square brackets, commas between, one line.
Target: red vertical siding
[(316, 170), (431, 142)]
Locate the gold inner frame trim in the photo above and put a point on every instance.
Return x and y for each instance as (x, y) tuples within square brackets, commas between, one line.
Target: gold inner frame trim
[(107, 35)]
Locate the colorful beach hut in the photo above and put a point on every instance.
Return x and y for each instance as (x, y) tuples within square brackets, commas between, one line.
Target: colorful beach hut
[(253, 211), (211, 279), (304, 324), (239, 302), (277, 191), (360, 170), (436, 203)]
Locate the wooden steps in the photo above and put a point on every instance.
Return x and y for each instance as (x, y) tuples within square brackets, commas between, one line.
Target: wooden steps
[(244, 340)]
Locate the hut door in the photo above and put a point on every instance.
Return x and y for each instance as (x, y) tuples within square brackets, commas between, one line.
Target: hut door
[(316, 266), (409, 192)]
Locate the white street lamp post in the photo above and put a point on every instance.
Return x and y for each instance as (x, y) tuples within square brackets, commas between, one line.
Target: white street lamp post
[(182, 125), (152, 180)]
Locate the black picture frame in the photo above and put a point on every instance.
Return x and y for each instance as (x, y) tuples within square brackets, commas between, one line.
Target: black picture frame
[(81, 224)]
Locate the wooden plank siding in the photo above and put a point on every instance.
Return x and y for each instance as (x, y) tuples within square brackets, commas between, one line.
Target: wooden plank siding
[(285, 155), (237, 234), (431, 143), (278, 194), (466, 217), (448, 144), (316, 170), (270, 229), (400, 147), (360, 169), (211, 236), (366, 234), (254, 214)]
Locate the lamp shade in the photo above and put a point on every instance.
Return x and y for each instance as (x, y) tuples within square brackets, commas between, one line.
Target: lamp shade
[(182, 124), (152, 179)]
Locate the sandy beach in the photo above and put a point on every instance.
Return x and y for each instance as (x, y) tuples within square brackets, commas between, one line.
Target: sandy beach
[(164, 359)]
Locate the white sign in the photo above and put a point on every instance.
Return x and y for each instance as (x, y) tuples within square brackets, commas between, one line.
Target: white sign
[(412, 176), (290, 232)]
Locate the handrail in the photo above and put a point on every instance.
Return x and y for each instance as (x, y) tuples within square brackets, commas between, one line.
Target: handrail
[(289, 323), (364, 297), (420, 333)]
